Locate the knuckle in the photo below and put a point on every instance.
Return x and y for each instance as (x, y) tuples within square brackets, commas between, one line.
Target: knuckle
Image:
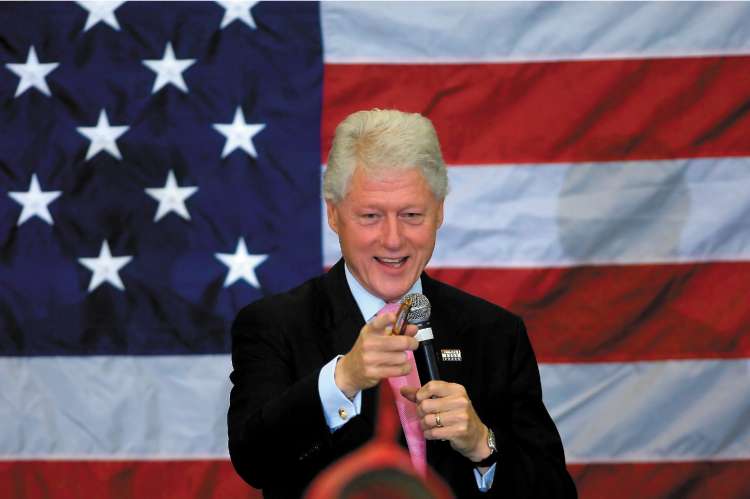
[(370, 344)]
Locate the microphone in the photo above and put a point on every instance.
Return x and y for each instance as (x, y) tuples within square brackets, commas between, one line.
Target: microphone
[(419, 314)]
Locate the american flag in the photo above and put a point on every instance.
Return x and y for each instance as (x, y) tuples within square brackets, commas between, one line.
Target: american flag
[(160, 168)]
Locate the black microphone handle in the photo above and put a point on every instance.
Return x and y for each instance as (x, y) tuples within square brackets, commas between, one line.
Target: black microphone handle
[(426, 361)]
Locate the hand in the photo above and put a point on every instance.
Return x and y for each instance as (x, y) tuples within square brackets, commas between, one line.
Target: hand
[(461, 425), (375, 355)]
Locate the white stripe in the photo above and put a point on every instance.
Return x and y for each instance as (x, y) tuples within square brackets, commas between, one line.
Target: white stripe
[(175, 407), (694, 210), (454, 32), (651, 411), (114, 407)]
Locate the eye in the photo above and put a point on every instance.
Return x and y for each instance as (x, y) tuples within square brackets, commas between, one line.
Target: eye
[(369, 218), (412, 216)]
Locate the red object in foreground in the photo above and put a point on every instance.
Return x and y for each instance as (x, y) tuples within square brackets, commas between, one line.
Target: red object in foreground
[(381, 468)]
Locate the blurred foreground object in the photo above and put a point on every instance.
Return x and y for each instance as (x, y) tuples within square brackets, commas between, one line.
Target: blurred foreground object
[(379, 469)]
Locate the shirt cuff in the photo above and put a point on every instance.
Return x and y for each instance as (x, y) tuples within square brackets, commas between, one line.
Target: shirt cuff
[(484, 482), (337, 408)]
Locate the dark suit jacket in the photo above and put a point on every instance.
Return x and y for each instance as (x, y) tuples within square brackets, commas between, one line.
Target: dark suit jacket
[(278, 437)]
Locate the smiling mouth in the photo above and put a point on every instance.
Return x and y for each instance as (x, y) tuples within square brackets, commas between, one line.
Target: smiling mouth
[(392, 262)]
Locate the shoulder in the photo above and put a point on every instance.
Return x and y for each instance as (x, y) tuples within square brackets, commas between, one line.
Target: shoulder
[(297, 302)]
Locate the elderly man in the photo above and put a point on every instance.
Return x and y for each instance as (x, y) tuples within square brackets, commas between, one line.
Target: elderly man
[(305, 362)]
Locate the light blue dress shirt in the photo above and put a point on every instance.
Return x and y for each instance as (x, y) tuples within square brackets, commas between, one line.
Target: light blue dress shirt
[(337, 408)]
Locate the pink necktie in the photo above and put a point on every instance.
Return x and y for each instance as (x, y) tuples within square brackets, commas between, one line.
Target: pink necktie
[(407, 411)]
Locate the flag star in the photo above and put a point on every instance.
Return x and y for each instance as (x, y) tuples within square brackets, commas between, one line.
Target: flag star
[(32, 73), (105, 268), (101, 11), (241, 265), (35, 202), (171, 197), (102, 136), (239, 134), (237, 9), (169, 70)]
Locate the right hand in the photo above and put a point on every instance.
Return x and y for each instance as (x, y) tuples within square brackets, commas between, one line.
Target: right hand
[(375, 355)]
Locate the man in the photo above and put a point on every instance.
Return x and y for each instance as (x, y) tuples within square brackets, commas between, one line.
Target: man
[(306, 361)]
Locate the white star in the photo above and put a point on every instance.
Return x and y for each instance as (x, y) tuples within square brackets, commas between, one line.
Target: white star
[(102, 136), (241, 265), (32, 73), (105, 268), (239, 134), (171, 197), (169, 70), (34, 202), (237, 9), (101, 11)]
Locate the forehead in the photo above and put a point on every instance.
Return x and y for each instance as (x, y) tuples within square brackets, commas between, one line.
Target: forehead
[(391, 182)]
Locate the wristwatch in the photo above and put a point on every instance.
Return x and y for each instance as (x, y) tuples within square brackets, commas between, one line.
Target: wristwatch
[(492, 458)]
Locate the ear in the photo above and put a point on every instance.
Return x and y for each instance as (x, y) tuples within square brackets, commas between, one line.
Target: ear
[(332, 215), (439, 214)]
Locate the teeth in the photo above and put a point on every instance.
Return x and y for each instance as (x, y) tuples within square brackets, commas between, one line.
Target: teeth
[(392, 261)]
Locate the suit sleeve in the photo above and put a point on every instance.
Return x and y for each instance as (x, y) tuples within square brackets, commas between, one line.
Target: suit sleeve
[(531, 460), (277, 431)]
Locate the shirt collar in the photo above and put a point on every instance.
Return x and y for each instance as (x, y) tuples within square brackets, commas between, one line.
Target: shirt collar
[(369, 304)]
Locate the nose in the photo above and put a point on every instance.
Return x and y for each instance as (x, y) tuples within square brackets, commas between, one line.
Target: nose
[(391, 237)]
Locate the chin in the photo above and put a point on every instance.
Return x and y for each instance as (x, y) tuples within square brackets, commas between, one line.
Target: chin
[(394, 292)]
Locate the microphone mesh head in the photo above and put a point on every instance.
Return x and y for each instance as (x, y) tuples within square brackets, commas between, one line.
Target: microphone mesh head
[(420, 309)]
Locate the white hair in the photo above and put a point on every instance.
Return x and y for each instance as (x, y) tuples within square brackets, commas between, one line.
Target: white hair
[(384, 139)]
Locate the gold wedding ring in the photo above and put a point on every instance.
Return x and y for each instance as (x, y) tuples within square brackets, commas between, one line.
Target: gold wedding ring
[(438, 423)]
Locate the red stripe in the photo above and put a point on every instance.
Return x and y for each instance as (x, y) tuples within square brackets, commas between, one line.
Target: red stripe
[(122, 480), (216, 479), (560, 111), (693, 480), (622, 313)]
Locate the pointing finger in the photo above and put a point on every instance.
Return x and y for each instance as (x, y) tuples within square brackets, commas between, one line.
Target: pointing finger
[(379, 324)]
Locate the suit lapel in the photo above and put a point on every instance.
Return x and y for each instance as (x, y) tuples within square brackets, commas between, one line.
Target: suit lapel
[(345, 319)]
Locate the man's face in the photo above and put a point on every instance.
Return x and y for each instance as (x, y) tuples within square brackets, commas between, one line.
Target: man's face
[(387, 226)]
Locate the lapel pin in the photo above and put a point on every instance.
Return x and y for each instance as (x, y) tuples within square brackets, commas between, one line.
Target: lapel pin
[(450, 354)]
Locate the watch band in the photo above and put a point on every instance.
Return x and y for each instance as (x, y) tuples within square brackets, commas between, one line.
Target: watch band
[(492, 458)]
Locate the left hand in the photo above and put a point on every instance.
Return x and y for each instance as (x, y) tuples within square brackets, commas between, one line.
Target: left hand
[(461, 425)]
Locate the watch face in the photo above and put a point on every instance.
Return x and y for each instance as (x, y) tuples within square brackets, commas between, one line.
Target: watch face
[(491, 440)]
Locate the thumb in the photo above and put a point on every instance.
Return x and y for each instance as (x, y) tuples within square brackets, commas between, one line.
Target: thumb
[(410, 393)]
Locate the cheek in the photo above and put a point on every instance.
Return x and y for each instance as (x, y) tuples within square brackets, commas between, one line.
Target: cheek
[(361, 240), (423, 239)]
